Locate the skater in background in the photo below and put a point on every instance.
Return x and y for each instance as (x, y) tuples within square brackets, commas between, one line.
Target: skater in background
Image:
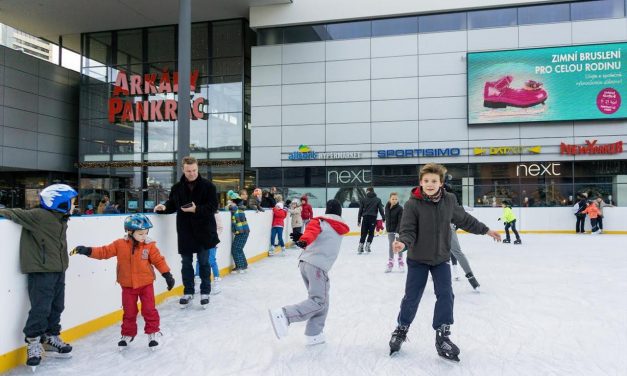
[(278, 222), (368, 208), (213, 262), (456, 250), (601, 204), (429, 251), (592, 210), (321, 243), (296, 218), (306, 212), (240, 231), (44, 259), (580, 206), (393, 215), (509, 220), (136, 255)]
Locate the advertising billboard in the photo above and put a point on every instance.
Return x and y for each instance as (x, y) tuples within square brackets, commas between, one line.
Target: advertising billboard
[(547, 84)]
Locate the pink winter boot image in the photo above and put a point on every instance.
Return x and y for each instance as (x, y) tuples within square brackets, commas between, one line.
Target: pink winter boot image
[(498, 94)]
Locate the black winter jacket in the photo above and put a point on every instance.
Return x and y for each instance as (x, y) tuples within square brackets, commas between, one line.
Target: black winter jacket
[(393, 217), (196, 231), (369, 205), (425, 227)]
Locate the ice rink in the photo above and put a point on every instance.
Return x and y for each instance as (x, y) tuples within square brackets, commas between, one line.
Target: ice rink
[(556, 305)]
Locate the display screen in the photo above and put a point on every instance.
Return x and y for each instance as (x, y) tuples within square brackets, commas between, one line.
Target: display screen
[(547, 84)]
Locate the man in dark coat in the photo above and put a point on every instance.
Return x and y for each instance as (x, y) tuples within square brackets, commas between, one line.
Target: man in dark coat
[(195, 201)]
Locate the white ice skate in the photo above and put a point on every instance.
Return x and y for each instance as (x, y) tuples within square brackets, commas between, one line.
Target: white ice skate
[(390, 265), (216, 286), (124, 341), (279, 322), (153, 340), (315, 340), (455, 272)]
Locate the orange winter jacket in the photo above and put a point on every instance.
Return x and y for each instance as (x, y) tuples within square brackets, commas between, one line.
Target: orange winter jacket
[(135, 269), (592, 210)]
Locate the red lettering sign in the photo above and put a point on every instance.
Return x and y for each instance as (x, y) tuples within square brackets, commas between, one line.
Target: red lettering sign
[(591, 148)]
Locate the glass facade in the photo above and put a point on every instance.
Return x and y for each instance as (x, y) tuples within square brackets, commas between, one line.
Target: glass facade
[(532, 184), (430, 23), (132, 159)]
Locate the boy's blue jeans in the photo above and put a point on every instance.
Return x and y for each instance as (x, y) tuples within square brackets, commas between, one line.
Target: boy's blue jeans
[(212, 262), (417, 274)]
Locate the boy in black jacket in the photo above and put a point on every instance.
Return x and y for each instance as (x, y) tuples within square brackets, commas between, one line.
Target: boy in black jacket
[(425, 232)]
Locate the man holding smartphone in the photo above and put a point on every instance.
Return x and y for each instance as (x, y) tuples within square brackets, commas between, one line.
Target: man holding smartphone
[(195, 201)]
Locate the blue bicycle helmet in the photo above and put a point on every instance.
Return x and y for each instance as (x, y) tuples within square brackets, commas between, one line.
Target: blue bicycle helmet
[(57, 197), (137, 221)]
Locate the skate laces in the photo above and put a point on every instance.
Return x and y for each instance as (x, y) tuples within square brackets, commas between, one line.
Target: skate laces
[(401, 332), (55, 341), (34, 349)]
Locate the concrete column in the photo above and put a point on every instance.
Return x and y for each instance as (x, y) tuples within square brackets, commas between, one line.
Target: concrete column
[(184, 69)]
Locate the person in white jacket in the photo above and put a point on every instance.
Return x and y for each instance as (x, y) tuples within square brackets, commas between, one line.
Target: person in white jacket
[(321, 244), (213, 263)]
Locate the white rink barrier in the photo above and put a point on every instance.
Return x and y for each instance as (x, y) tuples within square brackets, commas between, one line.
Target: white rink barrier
[(93, 298)]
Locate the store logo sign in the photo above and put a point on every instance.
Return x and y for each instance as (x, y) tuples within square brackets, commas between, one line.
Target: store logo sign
[(591, 147), (349, 177), (415, 153), (507, 150), (538, 169), (152, 85), (306, 153)]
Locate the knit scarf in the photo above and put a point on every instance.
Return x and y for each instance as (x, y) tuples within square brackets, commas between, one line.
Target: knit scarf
[(435, 198)]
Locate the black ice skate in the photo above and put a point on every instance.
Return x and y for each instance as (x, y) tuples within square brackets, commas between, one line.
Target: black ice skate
[(124, 341), (367, 247), (398, 337), (204, 300), (506, 241), (517, 241), (55, 347), (33, 352), (473, 281), (446, 348), (186, 300)]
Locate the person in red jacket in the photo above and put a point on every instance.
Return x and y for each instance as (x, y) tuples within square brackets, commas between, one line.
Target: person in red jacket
[(136, 255), (307, 212), (278, 221)]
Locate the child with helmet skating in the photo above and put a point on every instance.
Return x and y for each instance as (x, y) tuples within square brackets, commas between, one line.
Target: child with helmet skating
[(136, 255), (44, 258)]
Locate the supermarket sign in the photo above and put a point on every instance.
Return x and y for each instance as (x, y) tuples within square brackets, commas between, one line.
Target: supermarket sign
[(305, 153)]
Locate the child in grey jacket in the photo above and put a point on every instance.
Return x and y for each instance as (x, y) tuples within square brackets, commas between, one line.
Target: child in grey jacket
[(321, 244)]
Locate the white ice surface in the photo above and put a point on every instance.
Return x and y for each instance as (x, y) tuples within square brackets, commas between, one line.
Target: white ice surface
[(556, 305)]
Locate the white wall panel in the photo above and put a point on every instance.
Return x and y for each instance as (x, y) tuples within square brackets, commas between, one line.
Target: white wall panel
[(348, 91), (397, 45), (439, 64), (303, 52), (265, 96), (351, 133), (303, 134), (600, 31), (395, 110), (265, 116), (265, 136), (348, 70), (442, 86), (350, 112), (395, 88), (303, 114), (394, 131), (303, 93), (390, 67), (443, 130), (554, 34), (303, 73), (493, 132), (556, 129), (501, 38), (266, 55), (443, 108), (589, 128), (348, 49), (266, 75), (435, 43)]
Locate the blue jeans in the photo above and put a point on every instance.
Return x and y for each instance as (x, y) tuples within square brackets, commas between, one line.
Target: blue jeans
[(187, 272), (417, 274), (278, 231), (212, 262)]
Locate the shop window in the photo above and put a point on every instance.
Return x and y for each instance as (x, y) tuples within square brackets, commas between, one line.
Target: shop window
[(589, 10), (442, 22), (226, 38), (349, 30), (162, 44), (225, 131), (492, 18), (539, 14), (306, 33), (317, 196), (269, 36), (200, 40), (271, 176), (395, 26), (129, 46)]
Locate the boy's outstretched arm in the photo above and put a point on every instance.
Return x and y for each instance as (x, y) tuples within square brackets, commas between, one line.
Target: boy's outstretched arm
[(471, 224)]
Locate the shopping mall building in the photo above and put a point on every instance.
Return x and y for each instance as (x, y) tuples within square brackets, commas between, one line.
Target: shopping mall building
[(520, 99)]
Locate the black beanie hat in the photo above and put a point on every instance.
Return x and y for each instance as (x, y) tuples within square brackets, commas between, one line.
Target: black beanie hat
[(334, 207)]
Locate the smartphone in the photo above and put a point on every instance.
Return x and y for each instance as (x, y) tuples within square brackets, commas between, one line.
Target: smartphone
[(187, 205)]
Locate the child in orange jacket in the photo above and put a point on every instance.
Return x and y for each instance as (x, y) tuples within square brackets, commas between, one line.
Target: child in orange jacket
[(136, 256), (593, 212)]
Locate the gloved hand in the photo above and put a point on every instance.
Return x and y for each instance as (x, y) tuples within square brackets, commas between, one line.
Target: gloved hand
[(295, 236), (169, 280), (301, 244), (499, 219), (81, 250)]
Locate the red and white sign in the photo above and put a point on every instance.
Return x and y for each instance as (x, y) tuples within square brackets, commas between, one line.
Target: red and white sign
[(591, 147), (150, 110)]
